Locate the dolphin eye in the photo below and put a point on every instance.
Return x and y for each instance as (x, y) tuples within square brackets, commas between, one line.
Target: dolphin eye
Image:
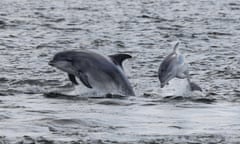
[(69, 60), (163, 70)]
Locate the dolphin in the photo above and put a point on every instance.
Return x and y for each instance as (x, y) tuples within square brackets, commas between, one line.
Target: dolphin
[(174, 66), (95, 70)]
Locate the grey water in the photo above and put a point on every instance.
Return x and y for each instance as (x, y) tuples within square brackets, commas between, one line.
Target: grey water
[(31, 32)]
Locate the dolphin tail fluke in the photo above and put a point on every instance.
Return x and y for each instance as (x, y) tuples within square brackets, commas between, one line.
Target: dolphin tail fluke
[(195, 87), (119, 58)]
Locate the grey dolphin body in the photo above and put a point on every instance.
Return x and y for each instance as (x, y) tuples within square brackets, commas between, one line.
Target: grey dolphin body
[(174, 66), (95, 70)]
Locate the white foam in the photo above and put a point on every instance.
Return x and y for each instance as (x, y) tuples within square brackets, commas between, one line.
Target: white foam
[(177, 87)]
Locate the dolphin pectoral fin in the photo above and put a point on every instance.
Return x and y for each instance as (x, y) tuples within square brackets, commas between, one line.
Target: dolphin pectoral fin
[(84, 78), (72, 79), (119, 58), (195, 87)]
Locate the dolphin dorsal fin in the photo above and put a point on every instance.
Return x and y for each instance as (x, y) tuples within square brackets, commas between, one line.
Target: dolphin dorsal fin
[(175, 48), (119, 58)]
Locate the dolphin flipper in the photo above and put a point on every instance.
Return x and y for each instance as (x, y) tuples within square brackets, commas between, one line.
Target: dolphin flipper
[(84, 78), (119, 58), (195, 87), (72, 79)]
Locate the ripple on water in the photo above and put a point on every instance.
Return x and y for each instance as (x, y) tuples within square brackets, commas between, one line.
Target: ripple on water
[(182, 99), (3, 117), (187, 139)]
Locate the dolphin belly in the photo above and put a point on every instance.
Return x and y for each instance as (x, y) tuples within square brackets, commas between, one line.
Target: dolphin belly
[(113, 82)]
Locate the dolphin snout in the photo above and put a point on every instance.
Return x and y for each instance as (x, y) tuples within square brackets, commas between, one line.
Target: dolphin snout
[(162, 85), (51, 63)]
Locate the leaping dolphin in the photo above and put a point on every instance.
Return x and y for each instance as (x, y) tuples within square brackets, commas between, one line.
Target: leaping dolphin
[(174, 66), (95, 70)]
